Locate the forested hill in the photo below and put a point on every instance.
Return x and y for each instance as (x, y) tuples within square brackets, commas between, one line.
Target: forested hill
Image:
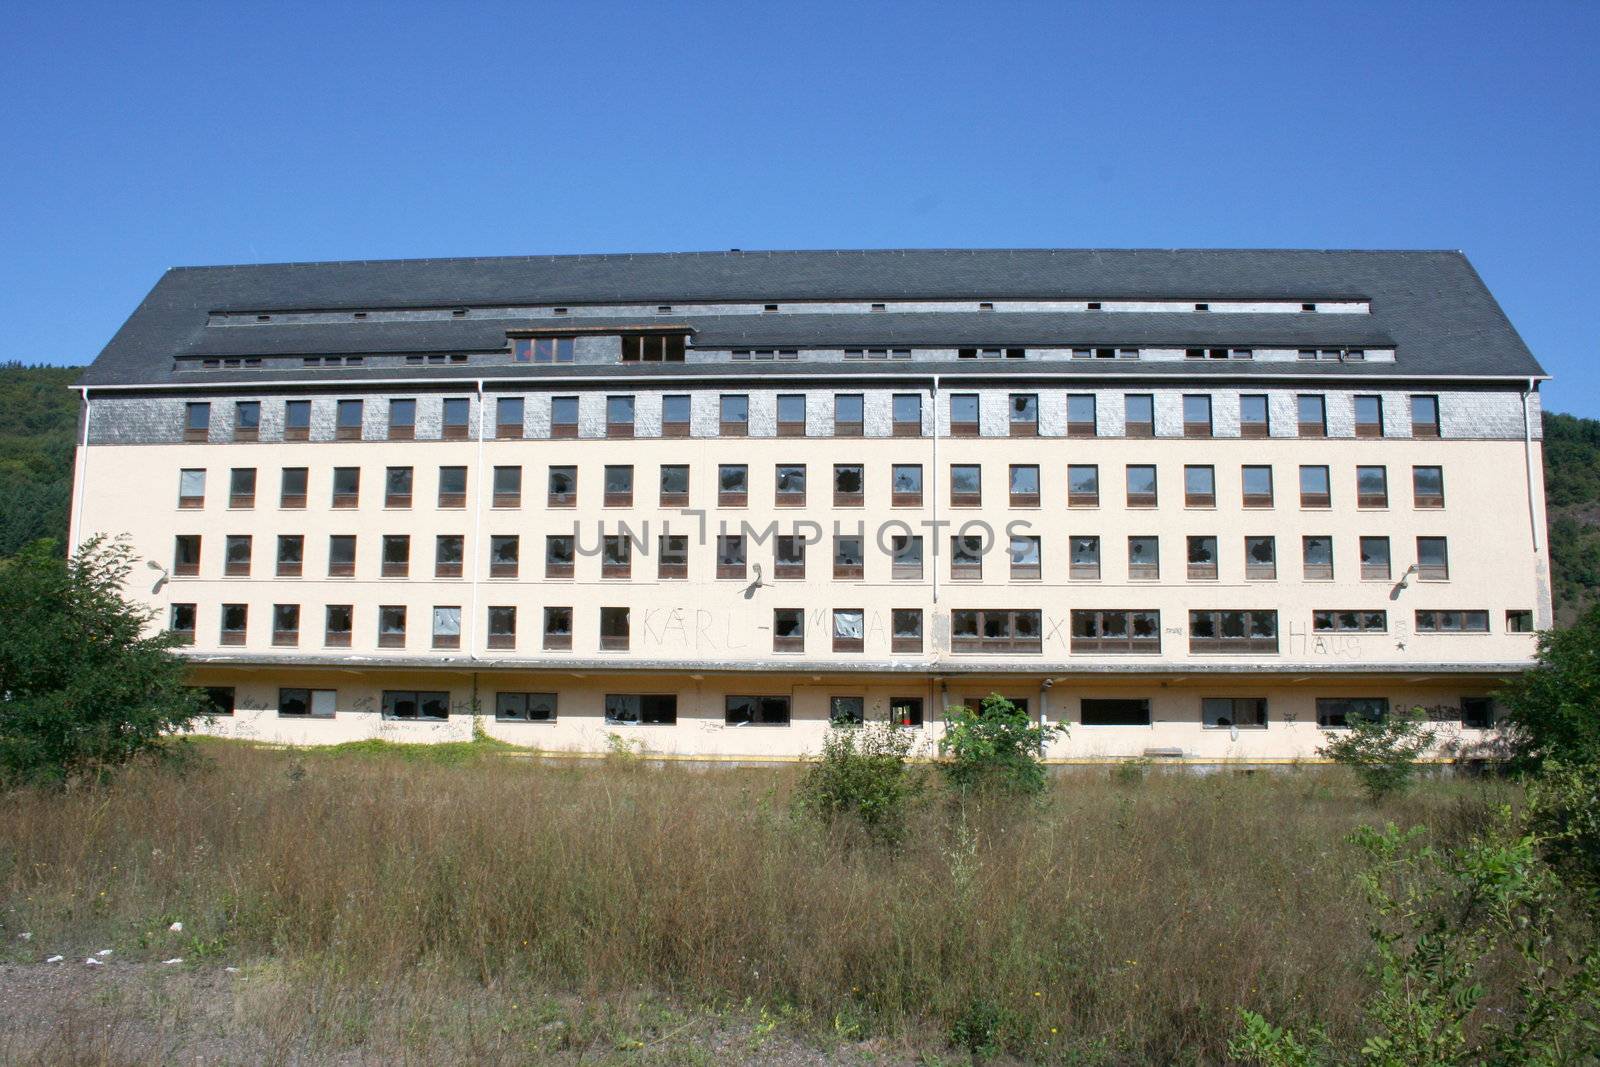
[(38, 415)]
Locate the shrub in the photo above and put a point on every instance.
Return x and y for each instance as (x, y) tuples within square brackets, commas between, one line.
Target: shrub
[(82, 689), (862, 777), (996, 748), (1383, 751), (1553, 710), (1564, 813)]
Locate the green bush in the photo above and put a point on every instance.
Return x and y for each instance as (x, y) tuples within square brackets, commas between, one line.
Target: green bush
[(1552, 711), (1383, 751), (862, 778), (997, 747), (1564, 813)]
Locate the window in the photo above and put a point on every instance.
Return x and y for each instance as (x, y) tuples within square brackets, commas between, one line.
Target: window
[(1372, 487), (907, 409), (848, 561), (849, 629), (905, 711), (543, 349), (292, 488), (789, 557), (645, 709), (505, 554), (966, 485), (392, 626), (614, 629), (242, 487), (906, 552), (846, 711), (1477, 713), (559, 551), (1433, 559), (733, 485), (219, 700), (452, 487), (1139, 415), (564, 416), (1451, 622), (730, 556), (1083, 486), (1141, 486), (1116, 631), (1335, 713), (848, 488), (616, 556), (525, 707), (508, 487), (336, 625), (1369, 416), (1120, 711), (341, 555), (557, 629), (618, 486), (307, 703), (788, 630), (672, 560), (562, 491), (1253, 418), (847, 415), (181, 622), (1349, 622), (1024, 486), (792, 415), (196, 421), (291, 555), (296, 420), (1424, 416), (1317, 558), (674, 485), (1519, 621), (966, 557), (1427, 487), (1313, 415), (1257, 485), (675, 420), (906, 485), (396, 561), (402, 420), (447, 555), (447, 627), (619, 416), (1085, 551), (454, 414), (347, 421), (995, 630), (346, 487), (1202, 558), (1314, 488), (757, 711), (1375, 558), (1196, 415), (1081, 415), (247, 420), (235, 621), (735, 415), (1260, 558), (397, 487), (964, 415), (502, 627), (1144, 559), (1026, 564), (508, 417), (1223, 713), (236, 555), (1233, 632), (186, 555), (1024, 409), (1199, 487), (653, 347), (426, 707), (906, 630)]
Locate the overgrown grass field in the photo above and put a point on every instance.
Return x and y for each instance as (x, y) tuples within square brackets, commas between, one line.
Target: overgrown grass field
[(463, 903)]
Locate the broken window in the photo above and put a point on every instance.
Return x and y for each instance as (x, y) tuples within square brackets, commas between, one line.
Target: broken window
[(906, 557), (906, 485), (849, 629), (788, 630), (848, 485), (733, 485), (392, 626), (966, 557), (1336, 712), (182, 622), (617, 486), (502, 626), (408, 704), (847, 711), (1349, 621), (336, 625), (616, 556), (525, 707), (906, 630), (557, 629), (1085, 563), (905, 711), (1144, 558), (966, 485), (447, 627), (558, 555), (995, 630), (757, 711), (1024, 409), (674, 485), (653, 347), (235, 620), (396, 555), (1116, 631), (448, 550), (1202, 558), (848, 560), (1452, 622), (643, 709), (346, 487), (1233, 632), (1317, 558), (286, 624), (789, 556), (1026, 561), (791, 485), (1375, 558), (672, 560), (307, 703), (236, 555), (1024, 486), (731, 557), (1261, 558), (614, 629), (563, 487), (1245, 713)]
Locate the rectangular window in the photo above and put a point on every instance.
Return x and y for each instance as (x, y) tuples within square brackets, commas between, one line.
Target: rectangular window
[(674, 485), (509, 414), (1519, 621), (236, 555), (788, 630), (557, 629), (906, 485), (397, 487), (1334, 713), (964, 415), (644, 709), (907, 409), (1024, 409), (402, 420), (558, 556), (242, 487), (792, 415), (564, 416), (1083, 485), (906, 553), (1202, 558), (731, 557), (247, 420), (1141, 486), (292, 488), (1427, 487), (196, 421), (1121, 632), (291, 555), (452, 487), (614, 629), (1433, 559), (448, 550), (219, 700), (675, 421), (905, 711), (789, 557), (543, 349), (454, 414), (849, 629), (1026, 562), (790, 485), (672, 561), (1253, 418), (337, 621), (1233, 632), (307, 703), (186, 555), (1257, 485), (1372, 487), (1144, 559), (617, 486), (848, 561), (1199, 487), (1196, 415), (396, 555), (1424, 416), (995, 631), (1024, 485), (447, 627), (347, 421), (734, 415), (1477, 713), (525, 707), (1375, 558), (508, 487), (1226, 713), (757, 711), (1081, 420), (1317, 558), (505, 555), (341, 555), (733, 485), (616, 556), (846, 711), (425, 707), (1348, 621), (1452, 622), (966, 558), (1261, 558), (1120, 711), (1085, 564), (562, 491), (849, 489), (392, 626), (346, 487), (906, 627), (848, 417), (619, 416), (1315, 491), (297, 420), (653, 348), (181, 622), (1312, 411), (966, 485), (1139, 415), (235, 622), (1369, 416), (502, 627)]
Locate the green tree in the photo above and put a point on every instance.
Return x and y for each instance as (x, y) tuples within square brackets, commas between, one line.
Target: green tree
[(863, 778), (82, 688), (995, 747), (1383, 751), (1552, 710)]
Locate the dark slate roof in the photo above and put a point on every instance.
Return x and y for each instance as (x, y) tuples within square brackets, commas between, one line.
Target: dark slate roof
[(1431, 306)]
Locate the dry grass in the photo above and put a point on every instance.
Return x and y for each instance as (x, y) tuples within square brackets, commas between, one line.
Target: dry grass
[(1116, 921)]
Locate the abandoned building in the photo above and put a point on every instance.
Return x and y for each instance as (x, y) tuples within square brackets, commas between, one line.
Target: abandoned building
[(1204, 505)]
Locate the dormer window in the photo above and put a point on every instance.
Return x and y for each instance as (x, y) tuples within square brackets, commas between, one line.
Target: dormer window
[(542, 349), (655, 348)]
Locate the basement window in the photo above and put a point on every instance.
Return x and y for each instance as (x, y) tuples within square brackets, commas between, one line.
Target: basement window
[(407, 704)]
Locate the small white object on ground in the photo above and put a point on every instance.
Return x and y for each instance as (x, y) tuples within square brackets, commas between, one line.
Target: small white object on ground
[(91, 961), (55, 959), (231, 970), (176, 928), (103, 952), (25, 937), (175, 959)]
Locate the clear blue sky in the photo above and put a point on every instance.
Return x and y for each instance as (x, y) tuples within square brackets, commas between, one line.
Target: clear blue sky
[(137, 137)]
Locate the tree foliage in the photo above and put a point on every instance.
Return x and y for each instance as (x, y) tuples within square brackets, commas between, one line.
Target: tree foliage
[(82, 688), (1553, 709), (38, 417), (994, 748), (1383, 751), (863, 779)]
